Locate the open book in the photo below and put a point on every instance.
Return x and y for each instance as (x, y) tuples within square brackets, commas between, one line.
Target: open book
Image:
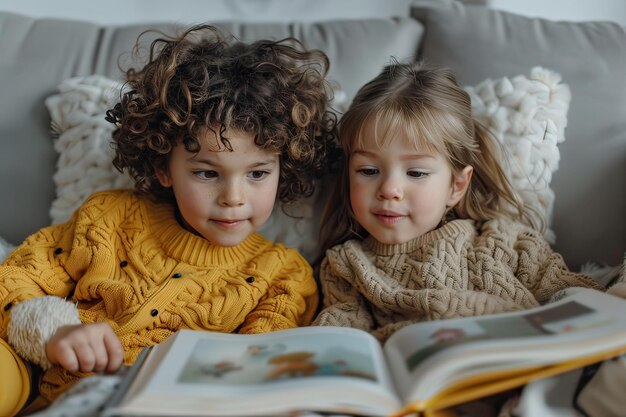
[(423, 368)]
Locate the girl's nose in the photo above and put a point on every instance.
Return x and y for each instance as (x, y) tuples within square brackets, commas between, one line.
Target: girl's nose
[(390, 189)]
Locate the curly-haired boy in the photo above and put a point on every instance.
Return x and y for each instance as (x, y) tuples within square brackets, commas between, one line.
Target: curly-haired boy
[(213, 131)]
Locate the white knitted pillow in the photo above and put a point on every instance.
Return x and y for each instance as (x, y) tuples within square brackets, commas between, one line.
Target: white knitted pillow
[(528, 114), (83, 142)]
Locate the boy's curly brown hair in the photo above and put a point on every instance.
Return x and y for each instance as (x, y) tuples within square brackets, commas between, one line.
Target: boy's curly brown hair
[(275, 90)]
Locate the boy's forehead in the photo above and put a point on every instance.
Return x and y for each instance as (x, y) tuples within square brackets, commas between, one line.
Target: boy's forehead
[(215, 138), (235, 141)]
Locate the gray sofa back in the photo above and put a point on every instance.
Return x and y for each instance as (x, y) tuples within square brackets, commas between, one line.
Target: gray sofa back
[(590, 185)]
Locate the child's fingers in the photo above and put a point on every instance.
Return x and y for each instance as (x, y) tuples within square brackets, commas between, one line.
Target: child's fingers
[(90, 347), (100, 354), (115, 351), (85, 354), (65, 356), (80, 347), (105, 352)]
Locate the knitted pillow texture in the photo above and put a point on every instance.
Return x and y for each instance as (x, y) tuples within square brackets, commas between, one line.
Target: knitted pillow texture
[(527, 114), (83, 141)]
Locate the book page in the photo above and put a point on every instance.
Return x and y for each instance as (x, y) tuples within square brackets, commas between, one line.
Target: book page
[(425, 358), (313, 368)]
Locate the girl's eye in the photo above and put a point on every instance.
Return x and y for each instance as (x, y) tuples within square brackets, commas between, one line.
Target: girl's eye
[(258, 175), (417, 174), (205, 175), (368, 172)]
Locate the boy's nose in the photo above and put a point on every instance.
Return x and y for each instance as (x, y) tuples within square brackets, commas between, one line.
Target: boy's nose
[(233, 195)]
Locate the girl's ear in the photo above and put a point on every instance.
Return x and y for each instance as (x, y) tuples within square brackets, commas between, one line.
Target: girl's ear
[(460, 183), (163, 175)]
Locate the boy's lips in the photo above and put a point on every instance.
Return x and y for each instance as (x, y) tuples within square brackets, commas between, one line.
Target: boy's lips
[(227, 223)]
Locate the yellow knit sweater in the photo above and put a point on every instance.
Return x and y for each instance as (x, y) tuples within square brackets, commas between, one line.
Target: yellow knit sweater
[(125, 260)]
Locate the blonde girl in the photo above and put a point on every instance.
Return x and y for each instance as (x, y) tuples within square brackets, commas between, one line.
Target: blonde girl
[(424, 224)]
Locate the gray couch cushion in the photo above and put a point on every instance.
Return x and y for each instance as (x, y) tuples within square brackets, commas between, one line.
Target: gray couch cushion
[(37, 54), (590, 185)]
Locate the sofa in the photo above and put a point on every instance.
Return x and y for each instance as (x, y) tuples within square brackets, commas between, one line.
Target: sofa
[(583, 181), (553, 92), (582, 184), (60, 75)]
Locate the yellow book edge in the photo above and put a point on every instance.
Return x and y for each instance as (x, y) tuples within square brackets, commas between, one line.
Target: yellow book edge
[(484, 385)]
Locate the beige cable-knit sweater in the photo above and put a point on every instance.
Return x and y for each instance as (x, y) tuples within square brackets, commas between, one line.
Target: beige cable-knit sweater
[(453, 271)]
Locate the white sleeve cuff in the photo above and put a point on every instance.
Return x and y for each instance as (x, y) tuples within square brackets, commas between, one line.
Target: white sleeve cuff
[(34, 322)]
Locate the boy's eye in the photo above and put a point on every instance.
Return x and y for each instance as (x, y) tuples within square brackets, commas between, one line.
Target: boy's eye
[(417, 174), (205, 174), (258, 175), (368, 172)]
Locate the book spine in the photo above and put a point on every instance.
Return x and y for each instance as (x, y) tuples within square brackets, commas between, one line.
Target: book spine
[(124, 384)]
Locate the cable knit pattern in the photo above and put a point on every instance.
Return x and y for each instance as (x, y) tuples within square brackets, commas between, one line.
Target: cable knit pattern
[(83, 142), (453, 271), (127, 261)]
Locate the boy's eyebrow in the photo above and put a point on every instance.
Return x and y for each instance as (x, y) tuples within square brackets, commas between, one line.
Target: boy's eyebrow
[(267, 162)]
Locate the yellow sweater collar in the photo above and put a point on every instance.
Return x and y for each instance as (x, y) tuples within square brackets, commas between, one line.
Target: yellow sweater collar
[(188, 247)]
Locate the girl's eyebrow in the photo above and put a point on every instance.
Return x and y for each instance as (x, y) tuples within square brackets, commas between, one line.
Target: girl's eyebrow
[(410, 156), (363, 152)]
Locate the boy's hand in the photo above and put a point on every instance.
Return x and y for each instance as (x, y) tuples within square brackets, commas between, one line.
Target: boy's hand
[(90, 347)]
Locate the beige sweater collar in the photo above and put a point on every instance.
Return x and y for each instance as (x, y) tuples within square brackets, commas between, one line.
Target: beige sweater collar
[(453, 228)]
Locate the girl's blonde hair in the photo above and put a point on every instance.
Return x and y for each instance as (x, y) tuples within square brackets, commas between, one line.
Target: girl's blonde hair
[(428, 105)]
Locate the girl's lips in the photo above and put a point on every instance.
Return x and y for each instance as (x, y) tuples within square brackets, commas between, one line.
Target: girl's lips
[(387, 213), (389, 218)]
